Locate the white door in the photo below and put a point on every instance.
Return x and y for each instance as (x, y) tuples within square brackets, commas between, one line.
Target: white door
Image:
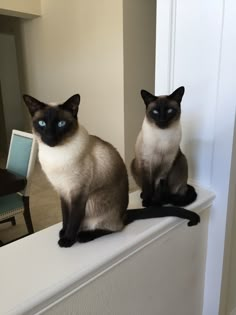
[(196, 47)]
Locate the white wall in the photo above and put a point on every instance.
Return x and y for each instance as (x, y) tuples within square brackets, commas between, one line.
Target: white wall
[(152, 267), (153, 281), (9, 77), (196, 48)]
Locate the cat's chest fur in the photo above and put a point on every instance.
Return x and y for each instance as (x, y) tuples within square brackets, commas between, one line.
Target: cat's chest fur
[(156, 145), (61, 163)]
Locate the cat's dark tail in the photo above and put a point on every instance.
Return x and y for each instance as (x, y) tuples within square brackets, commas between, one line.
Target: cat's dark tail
[(158, 212), (140, 214), (182, 201)]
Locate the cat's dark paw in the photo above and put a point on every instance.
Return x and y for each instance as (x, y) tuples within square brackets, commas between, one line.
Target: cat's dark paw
[(65, 242), (151, 202), (85, 236), (146, 197), (62, 233), (157, 201), (195, 219), (146, 203)]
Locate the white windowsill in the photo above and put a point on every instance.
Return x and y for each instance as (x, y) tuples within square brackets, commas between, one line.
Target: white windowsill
[(35, 271)]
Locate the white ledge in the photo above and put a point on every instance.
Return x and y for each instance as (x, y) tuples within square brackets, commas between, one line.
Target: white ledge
[(36, 272)]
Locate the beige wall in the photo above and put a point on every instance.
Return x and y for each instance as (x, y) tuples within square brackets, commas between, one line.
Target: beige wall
[(78, 48), (230, 291), (103, 50), (232, 277), (139, 65), (20, 8)]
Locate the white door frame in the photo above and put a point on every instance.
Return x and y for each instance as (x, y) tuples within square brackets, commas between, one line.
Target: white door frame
[(222, 174)]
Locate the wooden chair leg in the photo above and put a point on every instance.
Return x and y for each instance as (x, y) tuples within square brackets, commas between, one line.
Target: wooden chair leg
[(13, 221), (27, 215)]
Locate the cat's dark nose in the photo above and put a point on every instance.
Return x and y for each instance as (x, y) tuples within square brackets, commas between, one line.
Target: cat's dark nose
[(50, 141), (162, 124)]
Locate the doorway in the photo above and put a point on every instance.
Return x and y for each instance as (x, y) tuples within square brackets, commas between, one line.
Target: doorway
[(3, 136), (11, 113)]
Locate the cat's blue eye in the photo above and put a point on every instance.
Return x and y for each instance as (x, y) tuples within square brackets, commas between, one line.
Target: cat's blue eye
[(170, 110), (155, 112), (42, 123), (61, 123)]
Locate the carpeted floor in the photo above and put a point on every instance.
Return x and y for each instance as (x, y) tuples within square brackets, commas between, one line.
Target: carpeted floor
[(44, 205)]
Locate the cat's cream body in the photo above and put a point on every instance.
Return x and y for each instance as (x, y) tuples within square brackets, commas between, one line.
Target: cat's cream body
[(64, 158), (86, 159), (157, 147), (160, 168)]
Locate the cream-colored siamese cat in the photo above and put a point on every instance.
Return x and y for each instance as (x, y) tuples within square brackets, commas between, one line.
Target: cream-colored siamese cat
[(88, 174), (159, 167)]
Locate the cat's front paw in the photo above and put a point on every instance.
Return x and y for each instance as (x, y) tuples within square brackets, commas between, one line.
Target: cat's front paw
[(62, 233), (194, 220), (65, 242), (146, 203)]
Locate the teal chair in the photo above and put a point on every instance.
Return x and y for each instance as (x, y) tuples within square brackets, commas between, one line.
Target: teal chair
[(21, 160)]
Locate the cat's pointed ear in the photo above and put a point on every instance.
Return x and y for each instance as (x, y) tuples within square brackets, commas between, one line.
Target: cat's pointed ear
[(177, 95), (147, 97), (33, 104), (72, 104)]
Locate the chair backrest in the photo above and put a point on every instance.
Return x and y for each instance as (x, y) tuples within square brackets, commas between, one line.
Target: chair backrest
[(22, 154)]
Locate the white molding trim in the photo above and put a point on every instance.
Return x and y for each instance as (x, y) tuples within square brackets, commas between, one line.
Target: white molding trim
[(172, 45), (164, 46)]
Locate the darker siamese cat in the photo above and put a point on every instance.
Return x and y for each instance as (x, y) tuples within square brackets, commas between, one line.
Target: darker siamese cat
[(88, 174), (159, 167)]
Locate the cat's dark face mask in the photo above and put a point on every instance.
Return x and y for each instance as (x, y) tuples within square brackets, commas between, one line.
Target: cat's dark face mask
[(53, 124), (163, 110)]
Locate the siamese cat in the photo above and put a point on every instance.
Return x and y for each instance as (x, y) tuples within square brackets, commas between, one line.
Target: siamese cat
[(88, 174), (159, 167)]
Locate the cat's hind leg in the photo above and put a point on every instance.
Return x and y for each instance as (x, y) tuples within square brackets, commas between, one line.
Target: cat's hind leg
[(179, 192), (159, 195), (183, 199), (104, 214), (90, 235)]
